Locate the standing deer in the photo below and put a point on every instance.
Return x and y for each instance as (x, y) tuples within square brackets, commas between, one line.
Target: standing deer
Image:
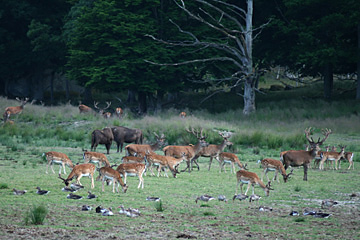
[(17, 109), (303, 158), (104, 136), (190, 151), (102, 110), (332, 156), (182, 115), (59, 158), (349, 156), (119, 112), (141, 149), (212, 150)]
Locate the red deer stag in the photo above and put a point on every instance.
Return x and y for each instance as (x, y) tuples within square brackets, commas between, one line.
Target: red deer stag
[(17, 109), (251, 179), (303, 158), (102, 110), (6, 118), (212, 150), (140, 150), (79, 171), (269, 164), (119, 112), (59, 158), (182, 115), (127, 135), (190, 151), (226, 157), (104, 136), (108, 173)]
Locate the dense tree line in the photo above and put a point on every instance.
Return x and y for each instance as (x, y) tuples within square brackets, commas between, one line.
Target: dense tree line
[(104, 44)]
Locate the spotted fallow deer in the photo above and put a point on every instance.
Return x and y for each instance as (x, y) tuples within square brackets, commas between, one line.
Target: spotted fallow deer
[(269, 164), (251, 179), (303, 158)]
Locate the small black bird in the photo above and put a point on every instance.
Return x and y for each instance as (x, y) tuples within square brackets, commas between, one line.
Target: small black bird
[(294, 213), (204, 198), (240, 197), (156, 199), (322, 215), (222, 198), (99, 209), (91, 196), (67, 189), (86, 208), (19, 192), (41, 192)]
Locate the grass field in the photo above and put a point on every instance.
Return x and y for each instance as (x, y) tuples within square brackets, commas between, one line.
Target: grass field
[(39, 129)]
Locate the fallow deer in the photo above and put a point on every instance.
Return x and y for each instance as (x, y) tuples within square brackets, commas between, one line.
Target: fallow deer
[(251, 179), (132, 169), (226, 157), (79, 171), (141, 149), (269, 164), (58, 158), (332, 156), (108, 173), (95, 157)]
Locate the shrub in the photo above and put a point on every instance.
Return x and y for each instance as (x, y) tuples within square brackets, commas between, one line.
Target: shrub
[(3, 186), (159, 206), (36, 215)]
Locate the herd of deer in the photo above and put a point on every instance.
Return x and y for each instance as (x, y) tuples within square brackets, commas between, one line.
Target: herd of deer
[(140, 157)]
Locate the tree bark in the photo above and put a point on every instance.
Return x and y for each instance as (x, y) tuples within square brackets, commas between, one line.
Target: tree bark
[(142, 103), (358, 66), (131, 97), (249, 97), (328, 81)]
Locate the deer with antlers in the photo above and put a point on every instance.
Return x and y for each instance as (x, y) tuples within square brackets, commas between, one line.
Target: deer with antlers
[(303, 158), (17, 109), (251, 179), (102, 110), (332, 156), (190, 151), (212, 150), (226, 157), (58, 158), (182, 115), (141, 149), (79, 171), (119, 112), (269, 164)]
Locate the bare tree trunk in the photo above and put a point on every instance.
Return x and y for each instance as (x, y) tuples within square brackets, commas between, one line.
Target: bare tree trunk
[(358, 66)]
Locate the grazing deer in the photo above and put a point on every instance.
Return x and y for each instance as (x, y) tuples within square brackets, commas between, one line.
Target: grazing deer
[(212, 150), (251, 179), (59, 158), (190, 151), (141, 149), (182, 115), (107, 173), (163, 162), (269, 164), (17, 109), (95, 157), (119, 112), (332, 156), (79, 171), (102, 110), (84, 109), (303, 158), (133, 159), (104, 136), (226, 157), (132, 169)]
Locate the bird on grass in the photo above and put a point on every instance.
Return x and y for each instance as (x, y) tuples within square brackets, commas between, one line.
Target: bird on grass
[(254, 198), (67, 189), (204, 198), (328, 203), (86, 208), (156, 199), (322, 215), (19, 192), (76, 186), (108, 212), (41, 192), (100, 209), (91, 196), (309, 212), (132, 212), (265, 209), (73, 196), (294, 213), (222, 198), (240, 197)]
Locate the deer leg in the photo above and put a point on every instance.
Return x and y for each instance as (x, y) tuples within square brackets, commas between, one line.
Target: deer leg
[(211, 158), (305, 172), (197, 165), (92, 181), (248, 187), (52, 167), (321, 165)]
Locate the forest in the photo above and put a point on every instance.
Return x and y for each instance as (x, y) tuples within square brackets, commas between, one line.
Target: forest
[(149, 52)]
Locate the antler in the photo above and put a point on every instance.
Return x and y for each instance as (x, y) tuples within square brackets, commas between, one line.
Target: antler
[(157, 136), (326, 132), (196, 133), (62, 178), (108, 105), (308, 132), (96, 105), (268, 185)]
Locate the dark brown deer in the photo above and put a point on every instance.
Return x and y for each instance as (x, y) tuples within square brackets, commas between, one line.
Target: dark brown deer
[(190, 150), (104, 136), (212, 150), (127, 135), (17, 109), (140, 149), (303, 158)]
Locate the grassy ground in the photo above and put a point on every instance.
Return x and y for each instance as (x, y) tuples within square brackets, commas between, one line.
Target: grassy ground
[(278, 125)]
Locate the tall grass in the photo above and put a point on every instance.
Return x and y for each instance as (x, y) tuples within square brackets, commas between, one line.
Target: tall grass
[(36, 215)]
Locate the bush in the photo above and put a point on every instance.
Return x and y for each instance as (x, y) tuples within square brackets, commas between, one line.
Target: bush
[(3, 186), (36, 215), (158, 206)]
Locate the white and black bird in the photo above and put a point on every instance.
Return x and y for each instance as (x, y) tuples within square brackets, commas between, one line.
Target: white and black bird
[(309, 212), (240, 197), (67, 189), (204, 198), (76, 186), (73, 196), (132, 212), (19, 192), (100, 209), (86, 208), (155, 199), (265, 209), (294, 213), (122, 209), (328, 203), (222, 198), (91, 196), (254, 198), (41, 192), (108, 212), (322, 215)]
